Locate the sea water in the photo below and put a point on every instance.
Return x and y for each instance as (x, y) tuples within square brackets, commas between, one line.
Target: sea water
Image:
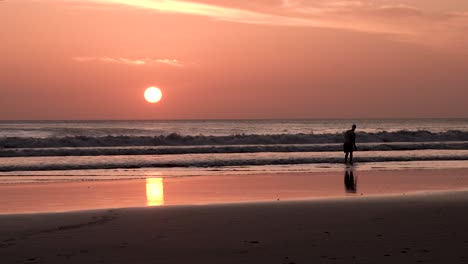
[(90, 150)]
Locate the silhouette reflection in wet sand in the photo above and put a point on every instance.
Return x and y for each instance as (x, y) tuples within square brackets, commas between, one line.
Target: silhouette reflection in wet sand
[(350, 181)]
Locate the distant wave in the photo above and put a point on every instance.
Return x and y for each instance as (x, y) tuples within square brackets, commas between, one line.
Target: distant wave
[(154, 162), (165, 150), (180, 140)]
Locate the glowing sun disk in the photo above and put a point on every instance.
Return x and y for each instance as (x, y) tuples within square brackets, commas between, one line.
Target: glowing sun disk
[(153, 95)]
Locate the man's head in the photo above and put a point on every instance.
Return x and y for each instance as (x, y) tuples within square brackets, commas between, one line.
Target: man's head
[(354, 127)]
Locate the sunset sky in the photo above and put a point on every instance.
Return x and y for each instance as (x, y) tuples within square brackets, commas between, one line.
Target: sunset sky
[(93, 59)]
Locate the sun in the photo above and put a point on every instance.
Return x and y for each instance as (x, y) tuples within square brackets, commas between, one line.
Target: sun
[(153, 95)]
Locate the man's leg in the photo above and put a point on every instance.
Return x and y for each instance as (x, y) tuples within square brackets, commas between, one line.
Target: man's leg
[(351, 157), (346, 157)]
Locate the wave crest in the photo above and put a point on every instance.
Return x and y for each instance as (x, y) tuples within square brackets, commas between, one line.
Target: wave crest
[(220, 162), (175, 139)]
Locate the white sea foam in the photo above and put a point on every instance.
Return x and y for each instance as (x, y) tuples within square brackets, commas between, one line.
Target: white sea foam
[(165, 150), (254, 139), (40, 146), (219, 160), (44, 129)]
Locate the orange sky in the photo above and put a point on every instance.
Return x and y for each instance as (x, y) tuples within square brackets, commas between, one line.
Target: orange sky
[(92, 59)]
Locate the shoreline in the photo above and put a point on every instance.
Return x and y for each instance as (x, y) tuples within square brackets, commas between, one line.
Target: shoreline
[(315, 200), (224, 189), (424, 228)]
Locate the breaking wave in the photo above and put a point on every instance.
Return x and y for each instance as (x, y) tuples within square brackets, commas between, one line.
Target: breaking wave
[(175, 150), (242, 139), (167, 150), (219, 160)]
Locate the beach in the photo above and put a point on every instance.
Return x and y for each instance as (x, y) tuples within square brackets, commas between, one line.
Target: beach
[(54, 194), (200, 192), (424, 228), (394, 224)]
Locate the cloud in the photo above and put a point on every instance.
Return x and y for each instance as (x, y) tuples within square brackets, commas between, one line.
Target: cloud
[(289, 3), (402, 22), (441, 30), (132, 62), (216, 12), (291, 15)]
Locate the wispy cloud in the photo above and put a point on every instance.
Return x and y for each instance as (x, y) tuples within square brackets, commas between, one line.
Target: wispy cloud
[(289, 3), (132, 62), (292, 13), (216, 12), (403, 22)]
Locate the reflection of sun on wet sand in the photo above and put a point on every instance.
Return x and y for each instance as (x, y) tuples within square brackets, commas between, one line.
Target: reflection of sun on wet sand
[(367, 228), (157, 191), (154, 191), (397, 229)]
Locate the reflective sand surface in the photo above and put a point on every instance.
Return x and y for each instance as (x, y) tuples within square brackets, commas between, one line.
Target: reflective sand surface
[(68, 196)]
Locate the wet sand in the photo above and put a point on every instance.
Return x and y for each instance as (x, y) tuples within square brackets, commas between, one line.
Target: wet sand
[(68, 196), (417, 228), (387, 217)]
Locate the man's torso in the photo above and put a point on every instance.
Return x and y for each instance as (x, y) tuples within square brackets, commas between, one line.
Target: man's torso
[(349, 137)]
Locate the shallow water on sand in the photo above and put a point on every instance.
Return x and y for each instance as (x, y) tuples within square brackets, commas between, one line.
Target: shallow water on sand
[(20, 177), (162, 191)]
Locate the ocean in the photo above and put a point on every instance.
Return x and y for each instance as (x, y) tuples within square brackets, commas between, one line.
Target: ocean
[(32, 151)]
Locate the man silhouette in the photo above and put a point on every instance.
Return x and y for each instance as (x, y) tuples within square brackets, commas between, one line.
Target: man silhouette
[(349, 144)]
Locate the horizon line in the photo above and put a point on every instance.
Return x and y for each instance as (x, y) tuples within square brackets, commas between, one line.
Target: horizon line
[(235, 119)]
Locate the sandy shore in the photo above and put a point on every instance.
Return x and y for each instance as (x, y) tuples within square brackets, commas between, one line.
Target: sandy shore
[(421, 228), (91, 195)]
